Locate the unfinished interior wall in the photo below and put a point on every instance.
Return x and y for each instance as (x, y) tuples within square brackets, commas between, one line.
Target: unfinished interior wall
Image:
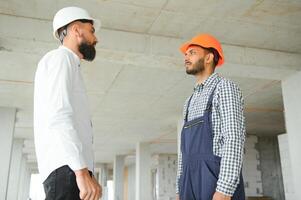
[(261, 170), (166, 169), (272, 182), (251, 168)]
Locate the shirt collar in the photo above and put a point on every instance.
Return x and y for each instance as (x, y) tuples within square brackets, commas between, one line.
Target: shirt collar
[(206, 83), (77, 59)]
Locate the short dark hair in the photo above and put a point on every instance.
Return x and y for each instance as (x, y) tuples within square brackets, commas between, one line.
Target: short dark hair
[(86, 21)]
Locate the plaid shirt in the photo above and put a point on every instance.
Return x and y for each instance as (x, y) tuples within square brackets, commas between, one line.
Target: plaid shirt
[(228, 128)]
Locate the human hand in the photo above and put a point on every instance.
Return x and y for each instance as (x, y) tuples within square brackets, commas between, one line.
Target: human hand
[(100, 187), (89, 189), (220, 196)]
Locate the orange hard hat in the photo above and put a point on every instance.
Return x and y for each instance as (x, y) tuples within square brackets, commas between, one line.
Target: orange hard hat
[(206, 41)]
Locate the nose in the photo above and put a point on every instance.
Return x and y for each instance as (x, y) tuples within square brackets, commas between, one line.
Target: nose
[(95, 40), (186, 58)]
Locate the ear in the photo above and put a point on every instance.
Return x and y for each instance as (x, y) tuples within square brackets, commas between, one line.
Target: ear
[(75, 28), (209, 58)]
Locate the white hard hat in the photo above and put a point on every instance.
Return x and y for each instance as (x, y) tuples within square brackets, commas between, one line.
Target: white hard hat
[(70, 14)]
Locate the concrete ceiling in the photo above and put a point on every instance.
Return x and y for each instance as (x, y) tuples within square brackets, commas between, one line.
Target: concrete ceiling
[(137, 84)]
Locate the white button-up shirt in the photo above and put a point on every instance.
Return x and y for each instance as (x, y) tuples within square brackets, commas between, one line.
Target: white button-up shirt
[(62, 125)]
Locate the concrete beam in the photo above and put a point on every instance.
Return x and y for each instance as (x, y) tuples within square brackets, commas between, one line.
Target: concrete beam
[(127, 47), (233, 69)]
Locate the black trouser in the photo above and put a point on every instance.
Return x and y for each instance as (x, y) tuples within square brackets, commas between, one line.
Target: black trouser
[(61, 185)]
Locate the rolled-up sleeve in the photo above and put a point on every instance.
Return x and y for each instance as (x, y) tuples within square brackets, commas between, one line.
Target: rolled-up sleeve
[(61, 112)]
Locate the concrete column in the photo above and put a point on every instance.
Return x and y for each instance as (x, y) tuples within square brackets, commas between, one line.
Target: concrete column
[(118, 177), (102, 179), (15, 168), (7, 119), (24, 183), (131, 181), (286, 167), (143, 172), (126, 183), (291, 98), (103, 175)]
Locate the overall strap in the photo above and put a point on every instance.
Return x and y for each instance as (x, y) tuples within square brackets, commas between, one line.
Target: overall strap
[(187, 107), (209, 103)]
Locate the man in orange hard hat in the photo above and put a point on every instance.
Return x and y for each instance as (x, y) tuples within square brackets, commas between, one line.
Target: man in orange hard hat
[(213, 134), (62, 122)]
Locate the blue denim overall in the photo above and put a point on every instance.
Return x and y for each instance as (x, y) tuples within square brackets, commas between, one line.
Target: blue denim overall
[(200, 166)]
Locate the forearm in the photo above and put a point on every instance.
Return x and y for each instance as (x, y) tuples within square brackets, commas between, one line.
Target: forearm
[(231, 164)]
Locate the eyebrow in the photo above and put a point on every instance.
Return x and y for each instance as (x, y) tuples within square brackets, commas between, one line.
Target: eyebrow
[(192, 50)]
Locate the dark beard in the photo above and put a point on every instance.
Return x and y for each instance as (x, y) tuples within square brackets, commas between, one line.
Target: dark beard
[(196, 67), (87, 50)]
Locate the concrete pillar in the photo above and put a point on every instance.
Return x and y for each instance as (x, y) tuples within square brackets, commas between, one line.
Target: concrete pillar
[(286, 167), (15, 168), (291, 97), (118, 177), (143, 172), (126, 183), (131, 181), (24, 184), (7, 119), (103, 174)]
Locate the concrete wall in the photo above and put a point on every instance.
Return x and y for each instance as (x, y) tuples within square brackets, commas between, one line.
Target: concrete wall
[(272, 182), (291, 98), (261, 170), (251, 168), (166, 172), (286, 167)]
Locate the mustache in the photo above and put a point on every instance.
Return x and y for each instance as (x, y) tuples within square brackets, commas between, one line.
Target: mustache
[(91, 43)]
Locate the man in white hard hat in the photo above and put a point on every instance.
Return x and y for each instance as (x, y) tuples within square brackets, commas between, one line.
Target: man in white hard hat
[(62, 125)]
